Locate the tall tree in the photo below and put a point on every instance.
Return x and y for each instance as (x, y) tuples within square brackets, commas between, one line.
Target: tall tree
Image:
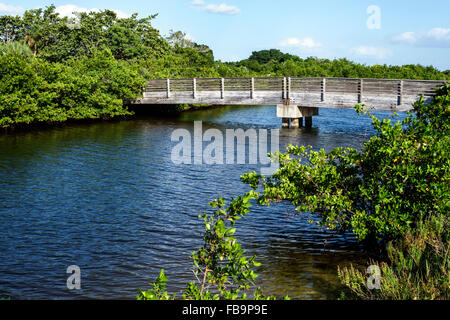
[(41, 28), (11, 28)]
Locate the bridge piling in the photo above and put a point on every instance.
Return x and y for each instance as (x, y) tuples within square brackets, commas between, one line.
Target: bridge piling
[(308, 122), (296, 114), (294, 123)]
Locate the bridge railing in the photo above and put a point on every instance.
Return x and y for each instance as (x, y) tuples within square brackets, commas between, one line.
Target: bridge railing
[(333, 85), (334, 92)]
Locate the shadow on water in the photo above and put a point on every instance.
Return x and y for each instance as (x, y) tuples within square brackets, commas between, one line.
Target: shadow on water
[(108, 198)]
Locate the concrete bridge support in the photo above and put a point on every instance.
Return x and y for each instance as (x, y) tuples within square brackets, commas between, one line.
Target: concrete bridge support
[(295, 114)]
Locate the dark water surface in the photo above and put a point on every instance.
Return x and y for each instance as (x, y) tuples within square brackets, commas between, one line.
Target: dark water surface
[(108, 198)]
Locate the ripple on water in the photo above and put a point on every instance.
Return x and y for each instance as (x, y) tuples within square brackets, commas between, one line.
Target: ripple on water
[(106, 197)]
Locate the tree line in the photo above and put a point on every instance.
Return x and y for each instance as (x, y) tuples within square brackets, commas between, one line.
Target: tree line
[(57, 68)]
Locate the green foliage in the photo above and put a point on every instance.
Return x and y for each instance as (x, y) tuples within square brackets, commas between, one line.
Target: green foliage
[(87, 69), (266, 56), (56, 38), (183, 62), (33, 90), (418, 267), (39, 28), (180, 39), (11, 28), (221, 268), (399, 178), (159, 290), (275, 63), (15, 48)]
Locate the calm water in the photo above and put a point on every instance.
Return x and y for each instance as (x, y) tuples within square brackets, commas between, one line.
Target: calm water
[(107, 197)]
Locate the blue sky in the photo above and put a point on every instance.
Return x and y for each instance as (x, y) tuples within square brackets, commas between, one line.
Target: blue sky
[(374, 31)]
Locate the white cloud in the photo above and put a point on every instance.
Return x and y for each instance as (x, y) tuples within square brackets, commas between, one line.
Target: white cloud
[(300, 43), (9, 9), (406, 37), (68, 9), (198, 2), (371, 52), (222, 8), (121, 14), (436, 37)]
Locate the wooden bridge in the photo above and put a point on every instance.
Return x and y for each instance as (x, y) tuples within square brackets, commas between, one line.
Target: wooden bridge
[(296, 98)]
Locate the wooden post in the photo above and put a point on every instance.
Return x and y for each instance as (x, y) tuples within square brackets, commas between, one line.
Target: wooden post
[(288, 88), (252, 89), (400, 93), (284, 88), (194, 88), (360, 90), (222, 88), (168, 88), (285, 122), (324, 88)]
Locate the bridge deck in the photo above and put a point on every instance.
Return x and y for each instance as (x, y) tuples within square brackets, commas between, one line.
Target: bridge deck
[(379, 94)]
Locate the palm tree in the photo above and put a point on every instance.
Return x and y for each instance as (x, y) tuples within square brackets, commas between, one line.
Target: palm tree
[(32, 41), (16, 47)]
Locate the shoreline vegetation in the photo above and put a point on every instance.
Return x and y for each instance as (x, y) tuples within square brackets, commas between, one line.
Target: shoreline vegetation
[(393, 194), (54, 70)]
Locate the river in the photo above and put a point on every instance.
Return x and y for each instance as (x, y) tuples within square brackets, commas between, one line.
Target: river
[(106, 196)]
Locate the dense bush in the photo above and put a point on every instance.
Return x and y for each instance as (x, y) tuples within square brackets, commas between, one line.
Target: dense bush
[(15, 47), (33, 90), (417, 267), (56, 38), (288, 65)]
